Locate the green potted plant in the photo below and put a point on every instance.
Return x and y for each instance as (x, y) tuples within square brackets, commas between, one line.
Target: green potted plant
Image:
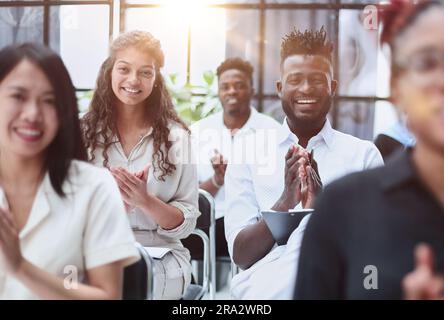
[(194, 102)]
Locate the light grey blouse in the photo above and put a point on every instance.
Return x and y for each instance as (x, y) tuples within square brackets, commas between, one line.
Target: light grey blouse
[(180, 189)]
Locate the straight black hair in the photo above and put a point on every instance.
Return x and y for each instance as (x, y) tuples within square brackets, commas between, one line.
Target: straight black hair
[(67, 144)]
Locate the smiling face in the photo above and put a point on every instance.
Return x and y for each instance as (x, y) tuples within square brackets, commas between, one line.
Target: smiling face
[(418, 88), (235, 92), (133, 76), (29, 121), (306, 88)]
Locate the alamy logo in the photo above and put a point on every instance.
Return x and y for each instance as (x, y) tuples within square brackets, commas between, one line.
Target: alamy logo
[(371, 278), (370, 17), (71, 281)]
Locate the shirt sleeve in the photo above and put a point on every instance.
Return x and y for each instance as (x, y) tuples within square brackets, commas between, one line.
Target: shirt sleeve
[(108, 236), (260, 281), (242, 208), (186, 197), (321, 263), (373, 157)]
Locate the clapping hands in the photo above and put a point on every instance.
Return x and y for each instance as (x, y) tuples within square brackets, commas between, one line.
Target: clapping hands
[(132, 186), (10, 254), (302, 181)]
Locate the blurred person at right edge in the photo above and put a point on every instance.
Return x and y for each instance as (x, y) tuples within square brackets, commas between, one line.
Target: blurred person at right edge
[(380, 234)]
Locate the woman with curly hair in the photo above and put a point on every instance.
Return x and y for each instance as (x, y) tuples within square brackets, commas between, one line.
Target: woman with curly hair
[(133, 129)]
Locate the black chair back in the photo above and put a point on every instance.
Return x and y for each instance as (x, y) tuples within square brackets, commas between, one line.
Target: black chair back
[(135, 281), (193, 243), (138, 277), (204, 220)]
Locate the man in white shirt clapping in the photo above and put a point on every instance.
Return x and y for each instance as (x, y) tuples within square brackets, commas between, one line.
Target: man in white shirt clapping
[(304, 148)]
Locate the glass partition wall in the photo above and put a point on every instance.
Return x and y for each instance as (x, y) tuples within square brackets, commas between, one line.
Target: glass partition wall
[(197, 35)]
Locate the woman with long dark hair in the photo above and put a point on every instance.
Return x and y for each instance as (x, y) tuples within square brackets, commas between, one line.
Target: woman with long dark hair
[(62, 230)]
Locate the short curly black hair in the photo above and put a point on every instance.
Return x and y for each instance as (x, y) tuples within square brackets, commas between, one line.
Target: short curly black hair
[(309, 42), (237, 64)]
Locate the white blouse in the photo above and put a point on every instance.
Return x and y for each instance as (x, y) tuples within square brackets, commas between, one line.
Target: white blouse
[(180, 189), (67, 236)]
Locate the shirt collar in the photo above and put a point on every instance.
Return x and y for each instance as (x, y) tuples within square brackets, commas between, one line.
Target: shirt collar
[(119, 146), (115, 138), (326, 134), (251, 119), (150, 131), (248, 126), (399, 170), (40, 208)]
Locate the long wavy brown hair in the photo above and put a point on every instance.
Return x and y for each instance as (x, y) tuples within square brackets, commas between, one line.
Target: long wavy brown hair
[(99, 124)]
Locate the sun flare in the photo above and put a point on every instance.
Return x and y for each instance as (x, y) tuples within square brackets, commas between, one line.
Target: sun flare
[(186, 11)]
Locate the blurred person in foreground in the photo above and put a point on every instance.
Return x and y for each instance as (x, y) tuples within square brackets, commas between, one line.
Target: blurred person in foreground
[(360, 243), (63, 230)]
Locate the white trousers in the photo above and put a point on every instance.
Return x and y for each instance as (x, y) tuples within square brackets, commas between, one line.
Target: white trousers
[(169, 281)]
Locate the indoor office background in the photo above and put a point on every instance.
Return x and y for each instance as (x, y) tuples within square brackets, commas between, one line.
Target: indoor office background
[(197, 35)]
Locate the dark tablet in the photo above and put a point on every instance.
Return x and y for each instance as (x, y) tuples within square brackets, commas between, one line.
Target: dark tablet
[(282, 224)]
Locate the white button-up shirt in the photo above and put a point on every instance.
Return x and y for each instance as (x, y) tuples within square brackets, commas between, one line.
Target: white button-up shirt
[(180, 189), (255, 187), (211, 133), (67, 236)]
